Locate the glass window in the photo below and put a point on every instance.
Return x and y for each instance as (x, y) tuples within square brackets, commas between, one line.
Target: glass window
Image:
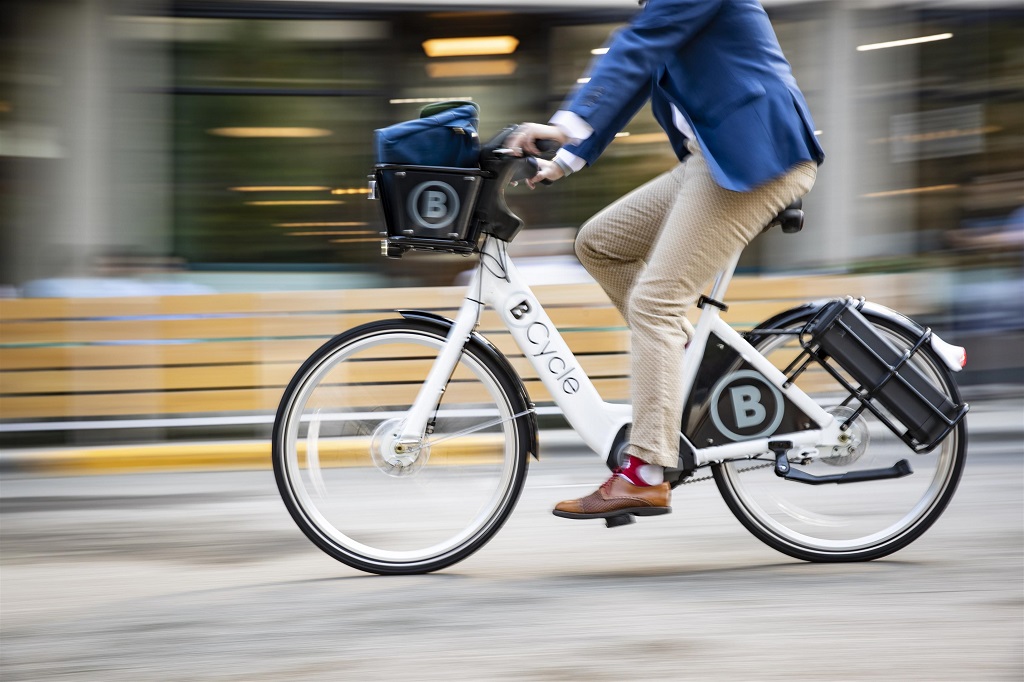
[(273, 122)]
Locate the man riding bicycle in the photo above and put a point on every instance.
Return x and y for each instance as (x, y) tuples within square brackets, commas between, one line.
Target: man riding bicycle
[(724, 93)]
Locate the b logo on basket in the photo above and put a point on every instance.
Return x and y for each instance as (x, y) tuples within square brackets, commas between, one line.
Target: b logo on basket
[(433, 205), (744, 405)]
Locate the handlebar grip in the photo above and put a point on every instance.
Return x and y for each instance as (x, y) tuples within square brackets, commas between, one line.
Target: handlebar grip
[(548, 146), (535, 166), (526, 167)]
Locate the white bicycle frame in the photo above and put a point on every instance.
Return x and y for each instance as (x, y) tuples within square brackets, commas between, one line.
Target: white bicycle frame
[(498, 284)]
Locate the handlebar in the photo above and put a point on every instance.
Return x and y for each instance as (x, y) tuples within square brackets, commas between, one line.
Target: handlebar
[(496, 151), (485, 210), (548, 146), (502, 166)]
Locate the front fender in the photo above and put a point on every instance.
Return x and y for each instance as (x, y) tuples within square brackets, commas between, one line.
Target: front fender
[(488, 349)]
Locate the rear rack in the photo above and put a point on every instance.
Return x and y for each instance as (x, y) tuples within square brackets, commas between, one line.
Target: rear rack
[(840, 333)]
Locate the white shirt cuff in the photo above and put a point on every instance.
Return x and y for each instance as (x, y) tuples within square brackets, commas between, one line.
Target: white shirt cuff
[(570, 159), (573, 124)]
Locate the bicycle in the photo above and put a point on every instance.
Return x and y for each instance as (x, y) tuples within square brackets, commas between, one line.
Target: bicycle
[(402, 445)]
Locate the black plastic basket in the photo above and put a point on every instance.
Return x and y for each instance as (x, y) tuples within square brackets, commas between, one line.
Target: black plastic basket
[(429, 208)]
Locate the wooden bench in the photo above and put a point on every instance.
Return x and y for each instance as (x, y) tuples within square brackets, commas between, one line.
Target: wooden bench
[(64, 361)]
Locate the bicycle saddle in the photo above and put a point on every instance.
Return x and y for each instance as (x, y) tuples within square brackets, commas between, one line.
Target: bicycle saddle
[(790, 219)]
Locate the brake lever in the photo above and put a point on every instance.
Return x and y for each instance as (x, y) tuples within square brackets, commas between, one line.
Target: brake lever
[(532, 160), (536, 167)]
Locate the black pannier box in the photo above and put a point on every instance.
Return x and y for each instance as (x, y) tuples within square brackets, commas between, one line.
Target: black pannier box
[(430, 208), (848, 337)]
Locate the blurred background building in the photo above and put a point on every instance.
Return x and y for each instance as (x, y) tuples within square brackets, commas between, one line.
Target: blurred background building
[(223, 145)]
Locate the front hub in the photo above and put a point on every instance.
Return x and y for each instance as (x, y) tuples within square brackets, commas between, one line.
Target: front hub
[(394, 456)]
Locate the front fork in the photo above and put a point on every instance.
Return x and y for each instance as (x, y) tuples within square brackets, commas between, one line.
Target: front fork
[(414, 428)]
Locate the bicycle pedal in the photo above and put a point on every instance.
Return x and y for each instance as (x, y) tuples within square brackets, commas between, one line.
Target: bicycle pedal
[(619, 520)]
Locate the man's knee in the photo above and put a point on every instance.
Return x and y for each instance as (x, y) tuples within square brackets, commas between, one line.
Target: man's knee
[(587, 244)]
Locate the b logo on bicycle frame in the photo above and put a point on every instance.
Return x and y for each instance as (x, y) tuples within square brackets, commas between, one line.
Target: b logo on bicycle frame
[(517, 311), (744, 406), (549, 356), (433, 205)]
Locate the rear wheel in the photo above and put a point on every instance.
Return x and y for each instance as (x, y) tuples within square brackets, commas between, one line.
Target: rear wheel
[(373, 503), (854, 521)]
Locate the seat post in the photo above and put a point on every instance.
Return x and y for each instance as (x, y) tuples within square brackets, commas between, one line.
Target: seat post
[(724, 278)]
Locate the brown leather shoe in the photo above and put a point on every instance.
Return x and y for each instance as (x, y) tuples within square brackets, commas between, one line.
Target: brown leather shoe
[(617, 497)]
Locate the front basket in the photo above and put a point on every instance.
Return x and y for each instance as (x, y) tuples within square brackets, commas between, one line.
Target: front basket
[(429, 208)]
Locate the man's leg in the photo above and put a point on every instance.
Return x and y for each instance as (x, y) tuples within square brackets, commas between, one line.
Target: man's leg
[(704, 229), (614, 244), (705, 226)]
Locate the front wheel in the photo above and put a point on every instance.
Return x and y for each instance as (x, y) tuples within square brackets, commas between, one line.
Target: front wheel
[(372, 503), (853, 521)]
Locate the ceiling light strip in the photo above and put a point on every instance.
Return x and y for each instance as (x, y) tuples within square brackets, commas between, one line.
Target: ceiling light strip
[(281, 188), (470, 47), (909, 190), (322, 224), (269, 132), (428, 100), (324, 233), (907, 41), (314, 202)]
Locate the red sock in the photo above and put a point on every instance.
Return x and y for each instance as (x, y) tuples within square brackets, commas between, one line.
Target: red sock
[(639, 472)]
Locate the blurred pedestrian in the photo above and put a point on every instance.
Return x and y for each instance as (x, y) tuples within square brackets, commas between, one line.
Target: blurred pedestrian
[(1007, 233), (721, 88)]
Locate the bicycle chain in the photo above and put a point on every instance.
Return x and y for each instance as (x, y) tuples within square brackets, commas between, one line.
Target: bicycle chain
[(742, 471)]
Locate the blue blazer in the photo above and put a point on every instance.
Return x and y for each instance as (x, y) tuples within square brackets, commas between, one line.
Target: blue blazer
[(720, 63)]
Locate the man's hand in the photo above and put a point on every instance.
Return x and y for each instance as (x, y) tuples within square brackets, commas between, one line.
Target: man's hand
[(524, 138), (546, 170)]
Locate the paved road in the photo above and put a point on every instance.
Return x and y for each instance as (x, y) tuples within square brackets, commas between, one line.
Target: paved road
[(204, 577)]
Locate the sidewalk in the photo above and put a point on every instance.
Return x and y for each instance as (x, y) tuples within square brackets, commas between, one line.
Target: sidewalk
[(990, 420)]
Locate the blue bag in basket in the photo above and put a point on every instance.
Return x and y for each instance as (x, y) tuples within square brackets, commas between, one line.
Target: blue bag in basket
[(438, 138)]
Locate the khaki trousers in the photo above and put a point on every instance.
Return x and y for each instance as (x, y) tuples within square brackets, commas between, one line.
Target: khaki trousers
[(654, 251)]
